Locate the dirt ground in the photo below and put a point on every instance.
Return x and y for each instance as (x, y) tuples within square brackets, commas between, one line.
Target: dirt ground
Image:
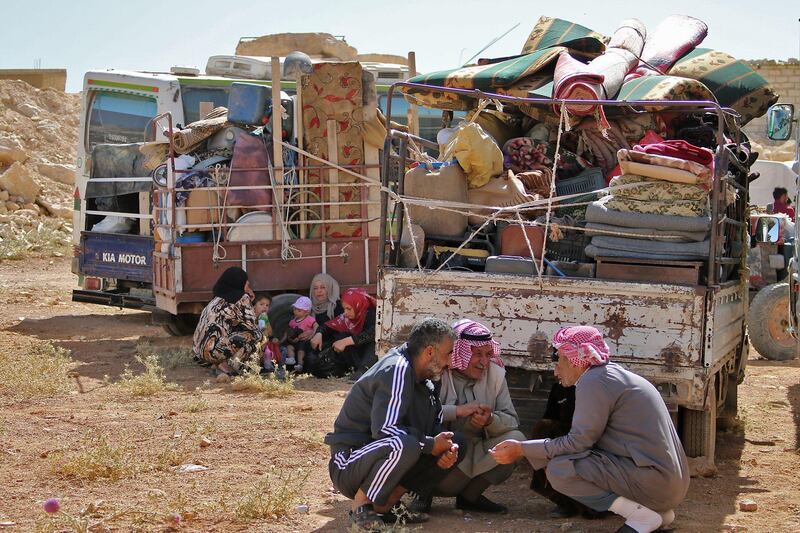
[(252, 436)]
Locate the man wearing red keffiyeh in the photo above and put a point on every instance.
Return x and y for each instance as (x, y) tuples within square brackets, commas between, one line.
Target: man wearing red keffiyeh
[(476, 402), (622, 453)]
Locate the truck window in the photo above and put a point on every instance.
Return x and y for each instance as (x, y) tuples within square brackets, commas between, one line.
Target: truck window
[(118, 118), (192, 96)]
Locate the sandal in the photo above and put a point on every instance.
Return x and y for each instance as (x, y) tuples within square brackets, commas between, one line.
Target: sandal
[(400, 514), (365, 519)]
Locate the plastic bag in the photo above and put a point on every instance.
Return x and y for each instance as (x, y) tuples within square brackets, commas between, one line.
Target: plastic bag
[(477, 153)]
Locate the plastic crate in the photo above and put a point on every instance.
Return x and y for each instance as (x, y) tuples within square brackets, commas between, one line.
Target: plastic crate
[(589, 180), (572, 247)]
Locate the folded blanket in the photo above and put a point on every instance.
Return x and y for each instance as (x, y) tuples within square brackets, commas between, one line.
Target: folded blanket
[(645, 189), (653, 234), (702, 172), (598, 212), (596, 251), (656, 247), (661, 172), (680, 208), (679, 149)]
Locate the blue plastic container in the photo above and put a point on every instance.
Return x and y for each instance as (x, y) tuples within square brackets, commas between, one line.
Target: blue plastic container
[(248, 102), (192, 238)]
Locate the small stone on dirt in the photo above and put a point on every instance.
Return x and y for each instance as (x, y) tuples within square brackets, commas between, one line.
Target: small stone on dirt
[(748, 506), (205, 442), (223, 378)]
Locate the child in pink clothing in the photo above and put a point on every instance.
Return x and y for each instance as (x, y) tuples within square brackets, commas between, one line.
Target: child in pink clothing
[(298, 336)]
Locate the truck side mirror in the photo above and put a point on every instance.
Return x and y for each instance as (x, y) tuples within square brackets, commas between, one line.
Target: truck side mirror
[(779, 122), (768, 229)]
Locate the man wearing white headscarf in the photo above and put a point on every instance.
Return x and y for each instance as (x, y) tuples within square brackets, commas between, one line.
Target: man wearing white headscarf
[(476, 402), (622, 453)]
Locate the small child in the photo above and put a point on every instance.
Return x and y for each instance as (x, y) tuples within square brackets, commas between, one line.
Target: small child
[(271, 346), (301, 323)]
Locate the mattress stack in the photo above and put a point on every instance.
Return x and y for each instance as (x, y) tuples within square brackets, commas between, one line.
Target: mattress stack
[(659, 206)]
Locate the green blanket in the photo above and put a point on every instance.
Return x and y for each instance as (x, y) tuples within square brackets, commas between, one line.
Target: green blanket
[(733, 82)]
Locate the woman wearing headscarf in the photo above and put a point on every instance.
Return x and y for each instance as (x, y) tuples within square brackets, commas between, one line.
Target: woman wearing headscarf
[(622, 453), (324, 294), (228, 333), (349, 338), (476, 402)]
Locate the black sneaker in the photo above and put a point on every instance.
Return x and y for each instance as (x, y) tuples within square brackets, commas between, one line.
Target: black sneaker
[(365, 519), (481, 505), (401, 514), (421, 504)]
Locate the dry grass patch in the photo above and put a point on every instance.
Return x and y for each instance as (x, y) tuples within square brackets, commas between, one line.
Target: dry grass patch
[(101, 457), (273, 497), (150, 382), (169, 357), (252, 381), (197, 406), (41, 372), (98, 458)]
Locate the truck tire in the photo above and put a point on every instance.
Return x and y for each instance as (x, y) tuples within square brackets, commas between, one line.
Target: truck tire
[(699, 429), (181, 325), (280, 312), (768, 323)]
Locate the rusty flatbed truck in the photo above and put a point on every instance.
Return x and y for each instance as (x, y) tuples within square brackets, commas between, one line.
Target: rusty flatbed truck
[(688, 339)]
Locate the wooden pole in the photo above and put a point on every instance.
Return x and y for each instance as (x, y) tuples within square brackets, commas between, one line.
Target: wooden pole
[(277, 150), (413, 114)]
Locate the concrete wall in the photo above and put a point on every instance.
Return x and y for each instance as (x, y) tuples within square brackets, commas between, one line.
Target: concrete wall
[(53, 78), (785, 80)]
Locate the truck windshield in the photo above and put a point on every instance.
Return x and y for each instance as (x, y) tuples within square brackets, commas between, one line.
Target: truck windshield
[(118, 118), (430, 120), (193, 96)]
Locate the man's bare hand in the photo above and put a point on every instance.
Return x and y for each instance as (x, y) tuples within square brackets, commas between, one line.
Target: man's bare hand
[(467, 409), (482, 417), (507, 452), (448, 458), (442, 443)]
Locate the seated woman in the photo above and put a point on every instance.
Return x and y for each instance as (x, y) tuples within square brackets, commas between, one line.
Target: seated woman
[(324, 294), (476, 402), (228, 333), (349, 339)]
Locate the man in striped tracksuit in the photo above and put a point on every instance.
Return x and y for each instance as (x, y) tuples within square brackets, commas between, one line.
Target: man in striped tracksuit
[(387, 439)]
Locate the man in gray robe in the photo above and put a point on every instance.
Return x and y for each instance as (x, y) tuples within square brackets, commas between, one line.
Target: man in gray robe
[(622, 453)]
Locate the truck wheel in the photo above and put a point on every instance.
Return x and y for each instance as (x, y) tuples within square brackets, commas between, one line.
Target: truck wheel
[(181, 325), (768, 321), (699, 429), (280, 312)]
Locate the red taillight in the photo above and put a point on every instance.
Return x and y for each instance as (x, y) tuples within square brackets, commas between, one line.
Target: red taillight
[(92, 284)]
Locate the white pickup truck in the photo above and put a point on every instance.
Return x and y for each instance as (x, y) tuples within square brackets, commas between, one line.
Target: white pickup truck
[(687, 337)]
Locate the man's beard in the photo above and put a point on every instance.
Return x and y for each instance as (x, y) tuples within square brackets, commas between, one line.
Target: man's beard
[(434, 371)]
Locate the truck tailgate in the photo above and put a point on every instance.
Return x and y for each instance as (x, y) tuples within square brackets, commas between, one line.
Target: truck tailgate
[(643, 323), (118, 256)]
